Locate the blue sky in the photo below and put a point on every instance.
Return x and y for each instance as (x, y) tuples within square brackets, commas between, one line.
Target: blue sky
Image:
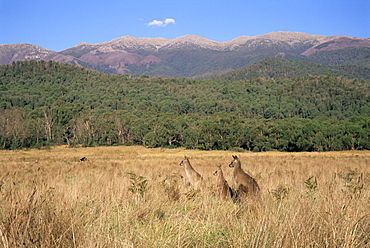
[(61, 24)]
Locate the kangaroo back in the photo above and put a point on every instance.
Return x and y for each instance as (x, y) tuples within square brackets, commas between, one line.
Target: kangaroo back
[(246, 184), (223, 189), (192, 176)]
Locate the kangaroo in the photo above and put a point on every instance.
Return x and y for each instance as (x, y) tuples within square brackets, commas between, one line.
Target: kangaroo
[(192, 176), (223, 189), (244, 183)]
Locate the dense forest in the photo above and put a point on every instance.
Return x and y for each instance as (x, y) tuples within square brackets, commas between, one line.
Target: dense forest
[(284, 68), (48, 103)]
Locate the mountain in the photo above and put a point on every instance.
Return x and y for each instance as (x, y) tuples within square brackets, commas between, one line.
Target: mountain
[(10, 53), (194, 56)]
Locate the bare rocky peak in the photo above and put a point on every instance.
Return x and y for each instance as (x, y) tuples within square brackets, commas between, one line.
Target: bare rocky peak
[(278, 36), (282, 37), (129, 40), (336, 43), (195, 40), (131, 43), (22, 51), (288, 36)]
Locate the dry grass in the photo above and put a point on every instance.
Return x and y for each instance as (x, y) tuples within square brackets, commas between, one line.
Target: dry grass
[(134, 197)]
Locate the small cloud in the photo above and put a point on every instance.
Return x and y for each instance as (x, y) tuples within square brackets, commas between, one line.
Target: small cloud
[(156, 23), (168, 21)]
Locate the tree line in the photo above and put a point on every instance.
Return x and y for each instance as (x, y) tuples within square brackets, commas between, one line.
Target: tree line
[(48, 103), (219, 131)]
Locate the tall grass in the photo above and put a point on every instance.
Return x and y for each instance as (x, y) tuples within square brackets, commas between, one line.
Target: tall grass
[(135, 197)]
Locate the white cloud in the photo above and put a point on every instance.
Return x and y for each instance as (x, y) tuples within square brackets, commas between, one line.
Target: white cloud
[(156, 23), (169, 20)]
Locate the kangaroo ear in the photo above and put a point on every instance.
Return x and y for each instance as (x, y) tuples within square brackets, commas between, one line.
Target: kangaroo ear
[(234, 156), (219, 166)]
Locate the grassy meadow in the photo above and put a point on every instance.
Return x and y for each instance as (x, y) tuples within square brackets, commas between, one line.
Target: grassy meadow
[(131, 196)]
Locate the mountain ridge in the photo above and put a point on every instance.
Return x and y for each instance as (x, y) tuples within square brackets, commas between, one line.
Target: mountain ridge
[(188, 55)]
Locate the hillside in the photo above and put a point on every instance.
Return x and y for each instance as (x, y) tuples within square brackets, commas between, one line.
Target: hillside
[(35, 84), (194, 56), (282, 68)]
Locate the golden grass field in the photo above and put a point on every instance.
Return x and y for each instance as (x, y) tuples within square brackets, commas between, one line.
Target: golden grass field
[(131, 196)]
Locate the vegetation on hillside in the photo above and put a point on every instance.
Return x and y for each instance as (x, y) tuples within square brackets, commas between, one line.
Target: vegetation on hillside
[(351, 55), (45, 103), (282, 68)]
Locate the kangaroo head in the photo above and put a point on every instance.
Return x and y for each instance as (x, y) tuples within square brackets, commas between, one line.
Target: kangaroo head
[(217, 172), (235, 160), (184, 160)]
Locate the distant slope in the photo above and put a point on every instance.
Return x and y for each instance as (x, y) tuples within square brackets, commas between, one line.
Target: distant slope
[(282, 68), (17, 52), (193, 56), (33, 85), (351, 55)]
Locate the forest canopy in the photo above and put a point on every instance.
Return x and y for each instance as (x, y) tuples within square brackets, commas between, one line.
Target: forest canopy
[(49, 103)]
